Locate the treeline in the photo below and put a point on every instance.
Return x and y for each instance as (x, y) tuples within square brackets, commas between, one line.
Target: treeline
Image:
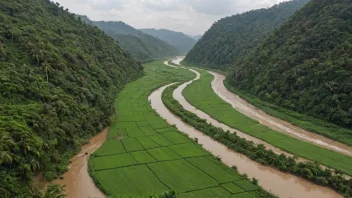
[(305, 65), (58, 80), (231, 38), (309, 170)]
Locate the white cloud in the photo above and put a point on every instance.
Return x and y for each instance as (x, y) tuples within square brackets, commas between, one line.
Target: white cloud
[(188, 16)]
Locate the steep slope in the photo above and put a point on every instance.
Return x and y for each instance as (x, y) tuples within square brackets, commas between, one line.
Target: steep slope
[(306, 65), (145, 48), (183, 42), (58, 81), (229, 39)]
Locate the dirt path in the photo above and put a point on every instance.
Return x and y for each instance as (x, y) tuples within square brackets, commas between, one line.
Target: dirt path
[(282, 184)]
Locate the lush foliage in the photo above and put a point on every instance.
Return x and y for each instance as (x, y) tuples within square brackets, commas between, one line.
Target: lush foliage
[(201, 95), (183, 42), (231, 38), (156, 156), (58, 81), (308, 170), (143, 47), (304, 121), (305, 65)]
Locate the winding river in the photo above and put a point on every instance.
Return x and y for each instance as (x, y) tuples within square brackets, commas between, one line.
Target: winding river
[(272, 122), (282, 184), (77, 180)]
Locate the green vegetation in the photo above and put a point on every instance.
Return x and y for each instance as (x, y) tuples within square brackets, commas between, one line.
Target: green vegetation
[(183, 42), (58, 81), (168, 159), (306, 122), (143, 47), (308, 170), (231, 38), (201, 95), (305, 65)]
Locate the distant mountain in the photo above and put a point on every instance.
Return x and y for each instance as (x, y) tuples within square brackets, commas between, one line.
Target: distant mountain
[(142, 46), (231, 38), (197, 37), (183, 42), (305, 65)]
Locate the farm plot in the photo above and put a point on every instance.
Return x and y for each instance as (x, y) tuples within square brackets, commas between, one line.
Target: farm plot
[(145, 155), (201, 95)]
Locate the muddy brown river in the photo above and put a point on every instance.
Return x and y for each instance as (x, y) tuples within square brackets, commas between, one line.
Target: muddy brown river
[(282, 184), (274, 123), (77, 180)]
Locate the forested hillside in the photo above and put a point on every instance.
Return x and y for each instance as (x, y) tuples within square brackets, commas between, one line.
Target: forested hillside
[(183, 42), (306, 65), (58, 80), (231, 38), (142, 46)]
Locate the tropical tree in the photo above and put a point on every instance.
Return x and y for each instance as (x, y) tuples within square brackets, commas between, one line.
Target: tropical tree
[(47, 68)]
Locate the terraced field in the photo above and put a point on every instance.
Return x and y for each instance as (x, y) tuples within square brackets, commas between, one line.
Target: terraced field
[(145, 155), (201, 95)]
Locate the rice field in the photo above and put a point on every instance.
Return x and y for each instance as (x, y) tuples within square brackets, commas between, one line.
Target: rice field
[(201, 95), (144, 155)]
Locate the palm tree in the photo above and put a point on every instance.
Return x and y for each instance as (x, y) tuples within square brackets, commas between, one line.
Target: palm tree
[(47, 68), (5, 157), (2, 50)]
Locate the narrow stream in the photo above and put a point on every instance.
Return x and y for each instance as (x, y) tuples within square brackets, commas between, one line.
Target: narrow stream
[(282, 184), (77, 180)]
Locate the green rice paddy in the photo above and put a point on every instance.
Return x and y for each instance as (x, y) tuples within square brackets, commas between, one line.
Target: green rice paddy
[(201, 95), (144, 155)]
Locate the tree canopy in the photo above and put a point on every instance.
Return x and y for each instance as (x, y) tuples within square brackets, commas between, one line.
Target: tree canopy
[(231, 38), (58, 81), (142, 46), (306, 64)]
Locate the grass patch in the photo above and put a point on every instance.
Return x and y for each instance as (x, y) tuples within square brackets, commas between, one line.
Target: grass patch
[(246, 185), (147, 143), (159, 139), (134, 181), (111, 147), (113, 161), (142, 157), (216, 192), (188, 150), (182, 176), (163, 153), (216, 171), (234, 189), (131, 144), (201, 95), (176, 137)]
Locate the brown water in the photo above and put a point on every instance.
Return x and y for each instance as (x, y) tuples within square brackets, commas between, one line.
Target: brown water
[(282, 184), (272, 122), (177, 95), (77, 180)]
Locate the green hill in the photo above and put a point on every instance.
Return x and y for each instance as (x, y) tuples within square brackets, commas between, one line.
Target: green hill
[(183, 42), (58, 81), (145, 48), (306, 65), (231, 38)]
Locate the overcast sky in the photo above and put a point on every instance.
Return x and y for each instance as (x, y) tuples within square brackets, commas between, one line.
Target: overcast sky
[(189, 16)]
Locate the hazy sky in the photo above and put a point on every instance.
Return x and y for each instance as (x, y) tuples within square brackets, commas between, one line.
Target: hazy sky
[(189, 16)]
